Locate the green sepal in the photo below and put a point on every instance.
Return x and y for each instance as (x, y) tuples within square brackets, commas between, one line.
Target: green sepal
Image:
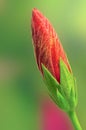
[(74, 93), (66, 78), (60, 101), (68, 85), (65, 93), (54, 89), (50, 81)]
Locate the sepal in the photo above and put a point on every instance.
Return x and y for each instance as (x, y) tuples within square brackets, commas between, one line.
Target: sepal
[(68, 85), (50, 81), (64, 94), (54, 89)]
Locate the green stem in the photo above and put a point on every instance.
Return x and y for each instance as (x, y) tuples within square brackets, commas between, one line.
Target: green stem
[(75, 120)]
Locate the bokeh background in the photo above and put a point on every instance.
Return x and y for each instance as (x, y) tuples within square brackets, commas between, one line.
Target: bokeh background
[(21, 85)]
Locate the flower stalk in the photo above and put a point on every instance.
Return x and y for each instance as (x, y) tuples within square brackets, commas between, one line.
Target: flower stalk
[(74, 119)]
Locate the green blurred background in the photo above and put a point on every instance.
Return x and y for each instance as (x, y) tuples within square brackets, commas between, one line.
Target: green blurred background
[(20, 82)]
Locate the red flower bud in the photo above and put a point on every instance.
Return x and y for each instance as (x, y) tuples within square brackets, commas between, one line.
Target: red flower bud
[(48, 48)]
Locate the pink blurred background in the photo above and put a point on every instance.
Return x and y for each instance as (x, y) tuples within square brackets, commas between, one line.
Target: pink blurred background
[(52, 117)]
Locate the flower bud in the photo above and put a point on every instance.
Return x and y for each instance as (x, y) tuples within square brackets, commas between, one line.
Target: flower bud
[(48, 48), (53, 63)]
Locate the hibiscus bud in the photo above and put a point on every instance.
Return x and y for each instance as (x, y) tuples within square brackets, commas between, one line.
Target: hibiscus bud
[(48, 48), (53, 63)]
